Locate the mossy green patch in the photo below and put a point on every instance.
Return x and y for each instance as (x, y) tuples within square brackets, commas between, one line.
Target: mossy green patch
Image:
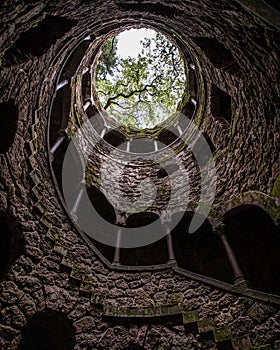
[(222, 334), (190, 316), (276, 188)]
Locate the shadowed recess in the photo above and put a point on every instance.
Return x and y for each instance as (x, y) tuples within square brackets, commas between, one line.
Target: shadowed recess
[(101, 204), (74, 60), (11, 244), (152, 254), (96, 119), (200, 252), (142, 145), (86, 84), (106, 211), (216, 52), (9, 123), (168, 136), (274, 3), (48, 330), (37, 40), (114, 138), (60, 112), (220, 104), (255, 240), (187, 111)]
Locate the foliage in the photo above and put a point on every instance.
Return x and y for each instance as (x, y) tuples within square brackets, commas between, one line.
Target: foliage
[(145, 90), (107, 60)]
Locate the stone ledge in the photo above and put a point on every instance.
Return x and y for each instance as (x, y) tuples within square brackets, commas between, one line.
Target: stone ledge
[(258, 295), (139, 312)]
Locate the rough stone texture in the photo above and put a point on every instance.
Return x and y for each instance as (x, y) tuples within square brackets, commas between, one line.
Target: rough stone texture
[(58, 270)]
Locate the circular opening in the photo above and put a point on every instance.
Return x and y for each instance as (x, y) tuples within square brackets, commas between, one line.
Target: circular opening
[(140, 78)]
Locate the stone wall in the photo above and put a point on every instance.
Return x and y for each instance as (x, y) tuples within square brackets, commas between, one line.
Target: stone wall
[(58, 270)]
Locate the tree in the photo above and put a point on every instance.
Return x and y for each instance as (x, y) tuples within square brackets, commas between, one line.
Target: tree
[(107, 60), (142, 91)]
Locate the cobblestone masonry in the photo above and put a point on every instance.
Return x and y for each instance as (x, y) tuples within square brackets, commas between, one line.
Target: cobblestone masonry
[(58, 270)]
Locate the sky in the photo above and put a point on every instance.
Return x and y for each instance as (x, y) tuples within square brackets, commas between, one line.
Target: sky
[(129, 41)]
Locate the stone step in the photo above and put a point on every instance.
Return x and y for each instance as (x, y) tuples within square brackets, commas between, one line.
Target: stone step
[(205, 325), (190, 317), (222, 334)]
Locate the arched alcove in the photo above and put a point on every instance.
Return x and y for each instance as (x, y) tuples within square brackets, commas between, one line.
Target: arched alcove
[(201, 252), (73, 62), (107, 212), (142, 145), (255, 239), (151, 254), (216, 52), (186, 115), (74, 164), (38, 39), (114, 137), (60, 112), (48, 330), (220, 104), (9, 122), (11, 244), (101, 204), (203, 149), (86, 86), (193, 89), (168, 136)]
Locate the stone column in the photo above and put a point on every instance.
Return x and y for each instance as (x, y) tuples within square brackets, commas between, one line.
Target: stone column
[(103, 132), (128, 146), (77, 202), (57, 143), (239, 277), (156, 145), (171, 255), (61, 84), (166, 223), (117, 248)]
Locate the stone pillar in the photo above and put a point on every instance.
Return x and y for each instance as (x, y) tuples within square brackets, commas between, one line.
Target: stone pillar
[(86, 105), (166, 223), (179, 130), (171, 255), (77, 202), (239, 277), (128, 146), (61, 84), (156, 145), (58, 142), (117, 248), (103, 132), (193, 101)]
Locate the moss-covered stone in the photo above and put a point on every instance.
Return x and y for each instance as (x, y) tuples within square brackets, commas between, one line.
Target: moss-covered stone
[(262, 347), (205, 325), (276, 188), (190, 317), (222, 334)]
